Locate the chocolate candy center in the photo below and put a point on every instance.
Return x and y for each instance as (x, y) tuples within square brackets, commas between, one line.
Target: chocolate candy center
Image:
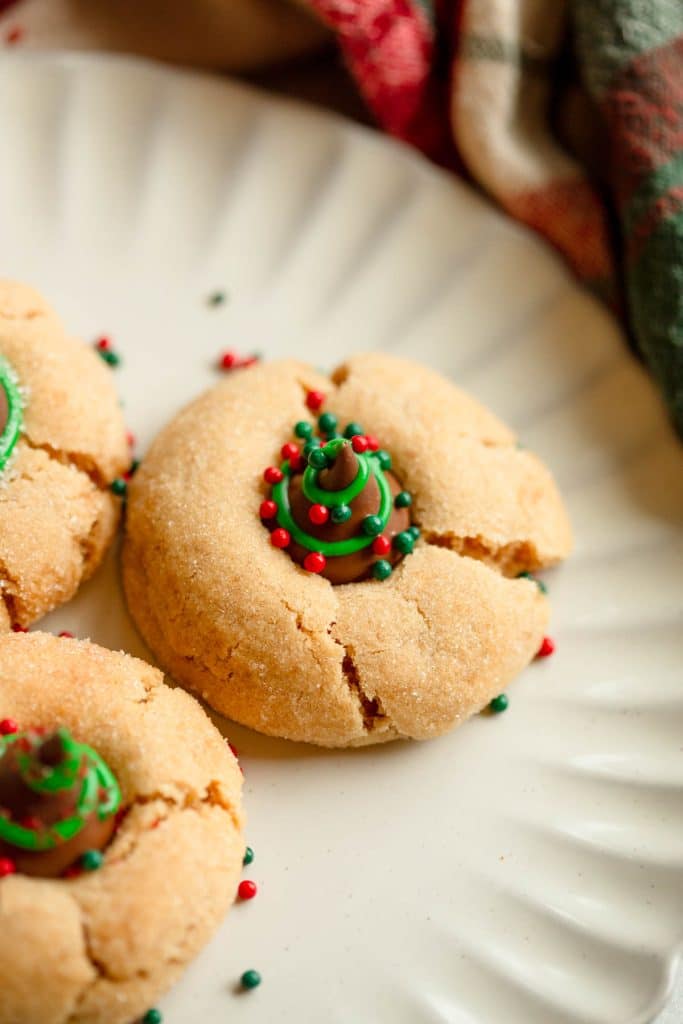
[(336, 506), (58, 801)]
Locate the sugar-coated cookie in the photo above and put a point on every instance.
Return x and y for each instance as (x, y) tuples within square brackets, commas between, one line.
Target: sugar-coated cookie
[(96, 942), (333, 559), (62, 443)]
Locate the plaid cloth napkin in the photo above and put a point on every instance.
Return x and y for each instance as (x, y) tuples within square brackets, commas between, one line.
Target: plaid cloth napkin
[(568, 113)]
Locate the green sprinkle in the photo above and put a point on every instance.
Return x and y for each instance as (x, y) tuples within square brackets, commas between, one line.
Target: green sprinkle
[(314, 442), (414, 531), (153, 1016), (110, 358), (250, 979), (372, 526), (529, 576), (499, 703), (404, 542), (217, 298), (119, 487), (92, 860), (384, 459), (403, 499), (340, 514), (327, 422), (248, 856), (381, 569), (303, 429), (317, 459), (352, 429)]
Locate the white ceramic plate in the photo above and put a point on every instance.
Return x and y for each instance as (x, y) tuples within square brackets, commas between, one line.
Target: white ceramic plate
[(527, 869)]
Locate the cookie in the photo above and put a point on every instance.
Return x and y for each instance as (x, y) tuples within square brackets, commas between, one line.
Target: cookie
[(223, 596), (62, 443), (101, 944)]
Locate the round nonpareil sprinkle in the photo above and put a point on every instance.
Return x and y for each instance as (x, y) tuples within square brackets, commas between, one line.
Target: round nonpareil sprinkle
[(546, 649), (250, 979), (247, 889), (7, 867), (314, 400), (314, 562), (92, 860)]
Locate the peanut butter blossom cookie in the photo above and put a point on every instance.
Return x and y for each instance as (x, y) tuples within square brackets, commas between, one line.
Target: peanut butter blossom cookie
[(62, 444), (342, 560), (121, 840)]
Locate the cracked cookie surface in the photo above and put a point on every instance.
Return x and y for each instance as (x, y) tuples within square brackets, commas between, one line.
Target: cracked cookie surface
[(57, 514), (101, 947), (287, 653)]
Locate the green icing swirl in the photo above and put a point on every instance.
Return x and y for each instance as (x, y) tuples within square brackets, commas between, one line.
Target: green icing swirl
[(331, 549), (10, 435), (100, 792)]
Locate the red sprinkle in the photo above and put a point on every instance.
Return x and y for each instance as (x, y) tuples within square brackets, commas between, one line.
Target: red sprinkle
[(14, 35), (30, 821), (131, 439), (546, 649), (359, 443), (314, 562), (8, 727), (247, 889), (318, 514), (273, 475), (267, 510), (314, 399), (67, 635), (381, 545), (280, 538), (16, 628), (228, 360), (7, 867), (72, 872), (103, 343), (289, 450), (373, 443)]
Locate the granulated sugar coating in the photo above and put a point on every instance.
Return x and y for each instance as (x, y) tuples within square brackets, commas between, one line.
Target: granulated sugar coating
[(116, 938), (286, 652), (57, 515)]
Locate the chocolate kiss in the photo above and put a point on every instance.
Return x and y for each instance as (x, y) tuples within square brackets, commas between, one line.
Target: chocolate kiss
[(20, 801), (342, 472)]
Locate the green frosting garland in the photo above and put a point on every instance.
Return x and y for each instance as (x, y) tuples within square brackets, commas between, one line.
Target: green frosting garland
[(99, 793), (10, 435), (367, 462)]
